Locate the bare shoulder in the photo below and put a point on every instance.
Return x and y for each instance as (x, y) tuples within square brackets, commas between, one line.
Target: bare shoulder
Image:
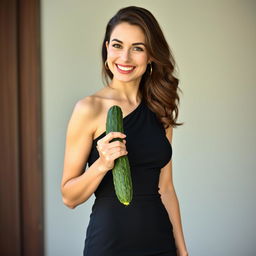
[(92, 110), (87, 106), (86, 111), (92, 105)]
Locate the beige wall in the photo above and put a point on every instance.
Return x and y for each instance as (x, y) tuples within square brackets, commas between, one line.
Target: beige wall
[(213, 153)]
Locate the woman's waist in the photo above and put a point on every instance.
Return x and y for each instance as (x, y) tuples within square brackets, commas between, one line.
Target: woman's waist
[(140, 202), (134, 197)]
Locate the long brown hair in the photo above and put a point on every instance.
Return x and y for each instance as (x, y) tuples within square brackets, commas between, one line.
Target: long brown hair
[(160, 88)]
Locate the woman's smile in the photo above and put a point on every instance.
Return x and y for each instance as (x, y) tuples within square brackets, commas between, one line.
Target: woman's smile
[(125, 69)]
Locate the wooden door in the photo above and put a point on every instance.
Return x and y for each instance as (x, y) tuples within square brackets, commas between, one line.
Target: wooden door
[(21, 187)]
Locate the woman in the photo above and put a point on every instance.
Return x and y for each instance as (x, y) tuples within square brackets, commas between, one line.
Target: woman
[(138, 69)]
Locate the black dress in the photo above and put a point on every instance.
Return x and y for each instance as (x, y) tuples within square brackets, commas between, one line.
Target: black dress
[(142, 228)]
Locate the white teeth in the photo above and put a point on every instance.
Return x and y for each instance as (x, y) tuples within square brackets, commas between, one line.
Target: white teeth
[(124, 68)]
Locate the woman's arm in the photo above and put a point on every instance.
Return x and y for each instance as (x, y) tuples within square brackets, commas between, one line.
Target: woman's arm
[(78, 185), (170, 201)]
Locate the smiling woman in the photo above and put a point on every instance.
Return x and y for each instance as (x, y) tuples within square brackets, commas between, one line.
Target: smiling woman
[(126, 57), (138, 71)]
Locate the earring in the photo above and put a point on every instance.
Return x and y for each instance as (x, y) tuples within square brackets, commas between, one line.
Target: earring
[(150, 68), (106, 65)]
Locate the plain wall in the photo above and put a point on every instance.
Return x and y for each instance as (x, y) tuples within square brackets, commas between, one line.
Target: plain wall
[(213, 43)]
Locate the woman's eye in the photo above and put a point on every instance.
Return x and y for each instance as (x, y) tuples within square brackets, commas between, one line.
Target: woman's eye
[(119, 46), (114, 45), (139, 48)]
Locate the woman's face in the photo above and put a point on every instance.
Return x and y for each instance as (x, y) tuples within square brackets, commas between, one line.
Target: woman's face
[(127, 55)]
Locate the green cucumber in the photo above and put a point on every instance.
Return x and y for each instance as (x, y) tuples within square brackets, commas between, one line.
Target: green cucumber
[(121, 171)]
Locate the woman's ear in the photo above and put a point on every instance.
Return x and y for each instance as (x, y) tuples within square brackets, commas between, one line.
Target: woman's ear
[(149, 60), (107, 44)]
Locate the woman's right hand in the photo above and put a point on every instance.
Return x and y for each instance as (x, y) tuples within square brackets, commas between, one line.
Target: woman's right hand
[(108, 152)]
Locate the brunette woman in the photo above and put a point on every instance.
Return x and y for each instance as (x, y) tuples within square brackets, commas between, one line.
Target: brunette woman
[(138, 68)]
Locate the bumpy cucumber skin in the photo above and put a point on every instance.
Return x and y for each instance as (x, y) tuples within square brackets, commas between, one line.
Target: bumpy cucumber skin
[(121, 171)]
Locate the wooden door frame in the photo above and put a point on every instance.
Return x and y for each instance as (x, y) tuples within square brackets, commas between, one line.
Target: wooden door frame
[(21, 176)]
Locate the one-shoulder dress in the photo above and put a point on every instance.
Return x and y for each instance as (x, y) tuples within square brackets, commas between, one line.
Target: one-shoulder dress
[(142, 228)]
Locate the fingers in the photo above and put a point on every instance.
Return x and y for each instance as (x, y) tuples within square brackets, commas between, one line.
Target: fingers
[(111, 147), (112, 154), (113, 150), (109, 151), (117, 144), (106, 139), (112, 135)]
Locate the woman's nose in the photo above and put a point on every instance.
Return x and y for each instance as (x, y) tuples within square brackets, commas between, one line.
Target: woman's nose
[(125, 55)]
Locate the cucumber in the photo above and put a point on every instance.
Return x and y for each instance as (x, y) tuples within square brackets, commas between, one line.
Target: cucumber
[(121, 171)]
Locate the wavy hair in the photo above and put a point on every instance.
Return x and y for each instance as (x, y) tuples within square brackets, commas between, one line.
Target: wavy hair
[(160, 89)]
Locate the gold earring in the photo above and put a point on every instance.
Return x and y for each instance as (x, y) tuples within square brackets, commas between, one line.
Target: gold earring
[(106, 64), (150, 68)]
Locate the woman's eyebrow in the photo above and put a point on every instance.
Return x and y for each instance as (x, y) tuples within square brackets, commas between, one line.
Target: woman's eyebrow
[(122, 42)]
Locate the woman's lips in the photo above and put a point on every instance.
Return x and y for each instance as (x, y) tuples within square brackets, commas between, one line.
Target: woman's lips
[(127, 68)]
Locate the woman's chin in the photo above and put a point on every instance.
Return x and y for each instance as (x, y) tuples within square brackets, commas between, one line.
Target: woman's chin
[(126, 79)]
